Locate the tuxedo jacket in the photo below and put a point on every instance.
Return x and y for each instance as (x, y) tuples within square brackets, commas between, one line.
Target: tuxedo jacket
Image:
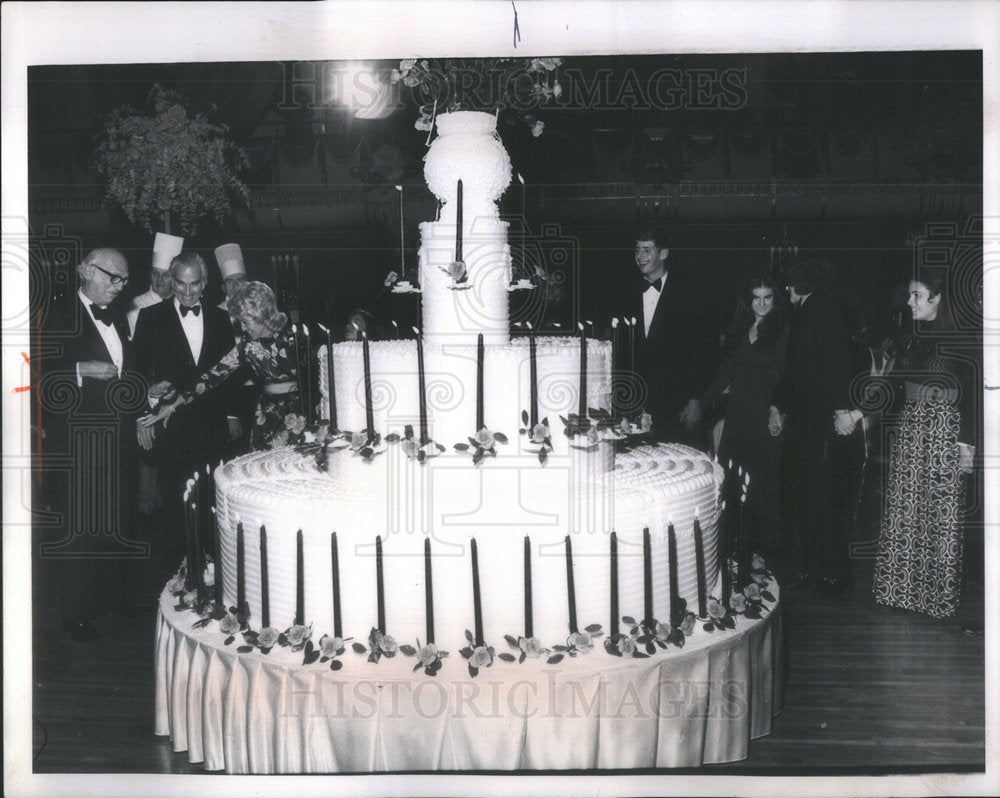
[(68, 337), (87, 449), (196, 431), (817, 374), (673, 359)]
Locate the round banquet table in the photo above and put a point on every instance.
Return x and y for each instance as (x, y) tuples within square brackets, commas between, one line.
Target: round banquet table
[(256, 713)]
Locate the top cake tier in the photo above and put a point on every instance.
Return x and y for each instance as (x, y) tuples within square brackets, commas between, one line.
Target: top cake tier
[(464, 258)]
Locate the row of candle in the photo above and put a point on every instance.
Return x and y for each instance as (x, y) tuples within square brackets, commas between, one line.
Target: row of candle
[(674, 606), (199, 512), (734, 531)]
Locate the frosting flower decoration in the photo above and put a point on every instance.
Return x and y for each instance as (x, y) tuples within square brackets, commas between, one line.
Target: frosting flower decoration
[(585, 432), (482, 444), (538, 435), (296, 636), (266, 639), (478, 656), (459, 275), (527, 648), (412, 447), (428, 656), (379, 645), (330, 649), (581, 642)]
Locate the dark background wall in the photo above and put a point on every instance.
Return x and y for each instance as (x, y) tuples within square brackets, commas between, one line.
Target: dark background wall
[(860, 156)]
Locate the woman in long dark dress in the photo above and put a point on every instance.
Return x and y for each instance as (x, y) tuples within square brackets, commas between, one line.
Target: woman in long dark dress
[(920, 546), (751, 369), (268, 349)]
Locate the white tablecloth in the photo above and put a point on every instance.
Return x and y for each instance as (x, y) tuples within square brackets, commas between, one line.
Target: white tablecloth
[(256, 713)]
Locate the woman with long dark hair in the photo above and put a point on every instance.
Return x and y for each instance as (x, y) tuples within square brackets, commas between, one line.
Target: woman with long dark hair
[(752, 366)]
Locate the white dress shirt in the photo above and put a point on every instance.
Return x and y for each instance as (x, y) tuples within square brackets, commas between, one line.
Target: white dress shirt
[(194, 328), (108, 334), (650, 298)]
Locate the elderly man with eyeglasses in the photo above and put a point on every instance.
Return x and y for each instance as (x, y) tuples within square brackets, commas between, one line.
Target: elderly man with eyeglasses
[(87, 401)]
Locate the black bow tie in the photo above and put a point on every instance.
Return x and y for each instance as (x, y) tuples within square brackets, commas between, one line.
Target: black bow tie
[(195, 308), (657, 284), (103, 315)]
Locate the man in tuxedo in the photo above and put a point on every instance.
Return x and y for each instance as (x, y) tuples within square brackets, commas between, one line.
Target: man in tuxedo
[(175, 342), (88, 403), (816, 383), (672, 341)]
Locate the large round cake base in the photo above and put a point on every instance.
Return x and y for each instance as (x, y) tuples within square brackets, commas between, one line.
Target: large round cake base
[(256, 713)]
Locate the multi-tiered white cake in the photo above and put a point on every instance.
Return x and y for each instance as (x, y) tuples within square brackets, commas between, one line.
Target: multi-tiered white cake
[(582, 491)]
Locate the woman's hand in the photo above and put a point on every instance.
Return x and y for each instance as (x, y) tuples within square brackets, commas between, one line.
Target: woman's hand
[(844, 421), (966, 454), (775, 421), (163, 414)]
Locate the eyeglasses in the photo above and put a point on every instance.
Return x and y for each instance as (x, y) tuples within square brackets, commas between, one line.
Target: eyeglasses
[(116, 279)]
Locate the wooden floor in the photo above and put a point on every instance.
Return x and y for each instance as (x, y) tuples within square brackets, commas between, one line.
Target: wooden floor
[(869, 691)]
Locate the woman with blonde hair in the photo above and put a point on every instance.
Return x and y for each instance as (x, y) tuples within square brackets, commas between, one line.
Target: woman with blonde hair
[(267, 348)]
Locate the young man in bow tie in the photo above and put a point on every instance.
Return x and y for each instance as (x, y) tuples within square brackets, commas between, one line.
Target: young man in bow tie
[(87, 409), (671, 356), (175, 341)]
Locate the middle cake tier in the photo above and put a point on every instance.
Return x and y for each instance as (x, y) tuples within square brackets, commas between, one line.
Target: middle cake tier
[(501, 504)]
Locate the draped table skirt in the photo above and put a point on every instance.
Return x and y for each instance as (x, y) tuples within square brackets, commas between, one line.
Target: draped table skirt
[(257, 713)]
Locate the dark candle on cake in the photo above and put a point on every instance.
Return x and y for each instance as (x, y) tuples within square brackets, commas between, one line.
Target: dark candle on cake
[(582, 410), (477, 605), (421, 386), (300, 593), (480, 423), (614, 583), (631, 346), (428, 591), (699, 558), (647, 576), (308, 378), (188, 539), (217, 565), (199, 576), (614, 366), (241, 587), (298, 372), (529, 627), (458, 224), (335, 571), (675, 604), (265, 601), (724, 554), (369, 409), (379, 584), (534, 379), (570, 587), (331, 399)]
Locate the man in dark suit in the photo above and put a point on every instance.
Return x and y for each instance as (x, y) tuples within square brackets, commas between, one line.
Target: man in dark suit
[(88, 403), (816, 383), (175, 341), (672, 341)]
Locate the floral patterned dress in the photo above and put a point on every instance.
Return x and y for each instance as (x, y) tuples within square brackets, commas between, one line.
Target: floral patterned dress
[(920, 547), (272, 360)]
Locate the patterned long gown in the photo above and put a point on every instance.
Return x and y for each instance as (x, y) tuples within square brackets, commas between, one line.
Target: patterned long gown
[(272, 360), (920, 546)]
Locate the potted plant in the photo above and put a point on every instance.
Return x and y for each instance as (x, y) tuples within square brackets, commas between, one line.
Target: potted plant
[(165, 168)]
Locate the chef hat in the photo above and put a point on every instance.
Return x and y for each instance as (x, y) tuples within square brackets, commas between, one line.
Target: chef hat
[(165, 248), (230, 258)]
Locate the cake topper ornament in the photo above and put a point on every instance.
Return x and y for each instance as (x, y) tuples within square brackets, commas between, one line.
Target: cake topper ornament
[(514, 87)]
